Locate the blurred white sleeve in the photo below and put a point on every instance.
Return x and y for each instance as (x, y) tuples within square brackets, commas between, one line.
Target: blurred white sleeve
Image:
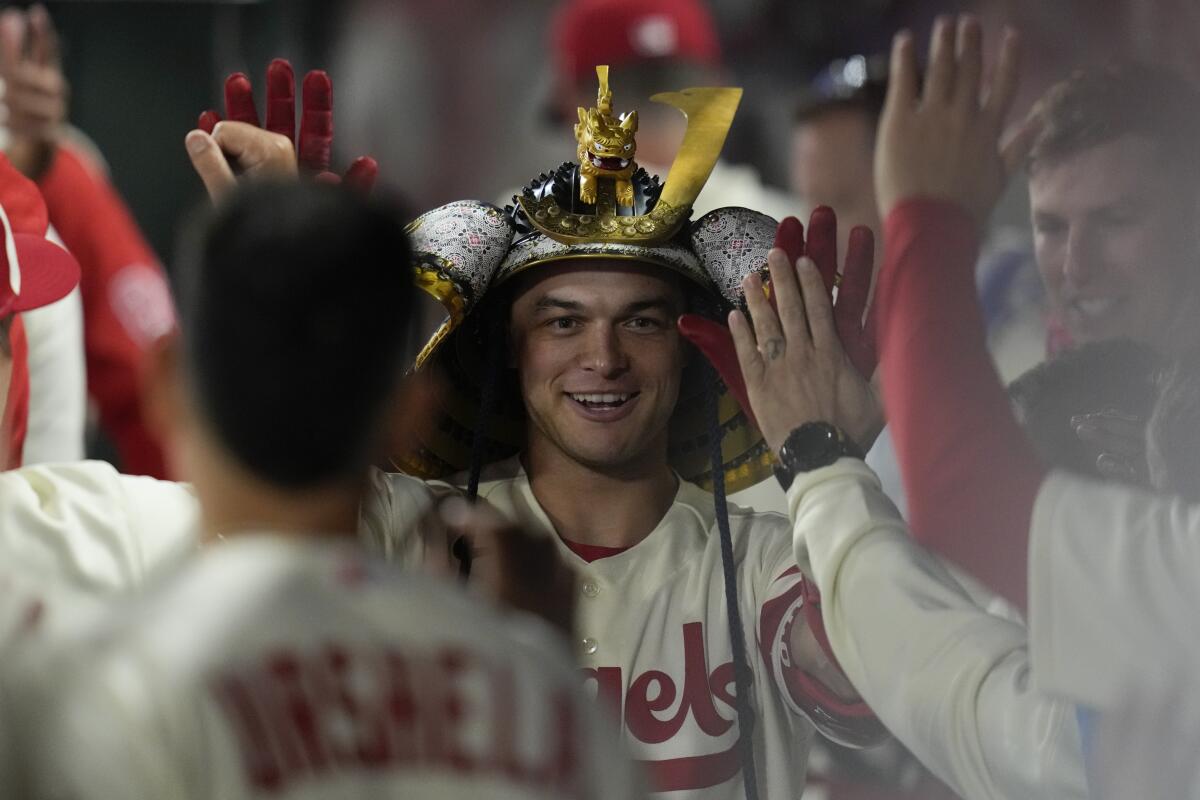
[(1112, 587), (948, 679), (90, 527), (57, 382)]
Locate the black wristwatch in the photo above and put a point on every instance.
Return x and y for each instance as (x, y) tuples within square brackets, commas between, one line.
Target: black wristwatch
[(811, 446)]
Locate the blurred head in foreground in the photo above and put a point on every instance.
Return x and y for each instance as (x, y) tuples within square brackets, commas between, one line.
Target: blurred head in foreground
[(295, 313)]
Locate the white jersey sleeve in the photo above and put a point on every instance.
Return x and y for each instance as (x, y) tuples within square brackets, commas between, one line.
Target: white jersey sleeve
[(1112, 577), (948, 679), (87, 526), (57, 381)]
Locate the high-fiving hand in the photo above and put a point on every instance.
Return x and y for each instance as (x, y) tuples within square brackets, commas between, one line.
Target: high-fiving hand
[(944, 140), (848, 346), (35, 91), (220, 150)]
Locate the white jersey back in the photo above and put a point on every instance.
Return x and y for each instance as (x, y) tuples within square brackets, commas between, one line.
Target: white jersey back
[(278, 667)]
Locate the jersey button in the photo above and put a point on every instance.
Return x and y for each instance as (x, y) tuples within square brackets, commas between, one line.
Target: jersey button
[(589, 645), (591, 589)]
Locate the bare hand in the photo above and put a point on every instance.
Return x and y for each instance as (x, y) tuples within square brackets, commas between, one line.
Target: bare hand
[(35, 91), (239, 148), (944, 141), (793, 363), (222, 150)]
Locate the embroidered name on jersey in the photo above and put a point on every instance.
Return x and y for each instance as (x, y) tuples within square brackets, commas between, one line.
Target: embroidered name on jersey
[(304, 714)]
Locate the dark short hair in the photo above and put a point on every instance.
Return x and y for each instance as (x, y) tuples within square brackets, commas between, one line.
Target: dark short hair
[(295, 311), (1115, 374), (1096, 106)]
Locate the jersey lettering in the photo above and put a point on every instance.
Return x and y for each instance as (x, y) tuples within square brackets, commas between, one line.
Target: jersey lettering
[(305, 714), (656, 710)]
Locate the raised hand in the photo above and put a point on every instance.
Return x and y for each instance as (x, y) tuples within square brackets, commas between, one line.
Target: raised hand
[(241, 144), (35, 91), (943, 141), (856, 336)]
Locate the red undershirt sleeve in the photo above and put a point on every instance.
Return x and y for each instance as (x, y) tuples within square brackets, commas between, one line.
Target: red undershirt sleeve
[(970, 475), (126, 301)]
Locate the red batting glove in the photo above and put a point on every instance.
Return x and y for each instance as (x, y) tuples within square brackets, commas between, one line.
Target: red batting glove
[(316, 120), (858, 338)]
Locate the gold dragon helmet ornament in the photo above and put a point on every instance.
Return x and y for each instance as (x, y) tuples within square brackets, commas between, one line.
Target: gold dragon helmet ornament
[(606, 146), (605, 204)]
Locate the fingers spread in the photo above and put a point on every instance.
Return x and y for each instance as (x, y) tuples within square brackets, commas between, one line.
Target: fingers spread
[(43, 39), (766, 322), (789, 237), (786, 291), (239, 100), (316, 122), (822, 244), (361, 175), (12, 39), (1004, 81), (902, 84), (210, 163), (969, 52), (939, 78), (208, 120), (817, 306), (281, 99), (748, 355), (856, 282)]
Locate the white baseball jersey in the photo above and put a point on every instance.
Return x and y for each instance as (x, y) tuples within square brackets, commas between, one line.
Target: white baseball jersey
[(1113, 588), (275, 666), (653, 635), (74, 536), (950, 680)]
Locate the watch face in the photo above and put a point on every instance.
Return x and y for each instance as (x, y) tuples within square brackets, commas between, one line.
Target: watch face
[(814, 445)]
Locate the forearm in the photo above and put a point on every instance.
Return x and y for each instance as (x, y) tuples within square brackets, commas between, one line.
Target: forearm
[(969, 473), (947, 678)]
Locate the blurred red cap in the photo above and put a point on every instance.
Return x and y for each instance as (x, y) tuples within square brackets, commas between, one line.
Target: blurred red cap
[(34, 271), (614, 32)]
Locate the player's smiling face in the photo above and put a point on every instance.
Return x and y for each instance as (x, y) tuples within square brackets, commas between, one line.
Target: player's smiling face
[(1115, 241), (600, 361)]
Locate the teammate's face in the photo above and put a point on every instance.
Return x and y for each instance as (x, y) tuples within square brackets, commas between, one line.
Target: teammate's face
[(1115, 244), (600, 362)]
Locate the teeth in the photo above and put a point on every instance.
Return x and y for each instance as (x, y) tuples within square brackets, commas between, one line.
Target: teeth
[(624, 163), (600, 398)]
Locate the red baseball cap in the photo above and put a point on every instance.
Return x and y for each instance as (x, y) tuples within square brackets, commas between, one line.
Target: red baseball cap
[(614, 32), (34, 271)]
